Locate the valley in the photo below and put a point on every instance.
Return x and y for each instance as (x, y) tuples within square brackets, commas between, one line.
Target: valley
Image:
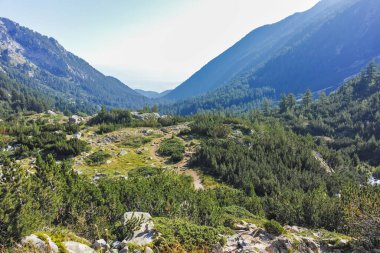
[(273, 146)]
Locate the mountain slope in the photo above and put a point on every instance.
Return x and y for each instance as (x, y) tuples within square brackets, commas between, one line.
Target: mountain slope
[(356, 128), (315, 49), (152, 94), (43, 62)]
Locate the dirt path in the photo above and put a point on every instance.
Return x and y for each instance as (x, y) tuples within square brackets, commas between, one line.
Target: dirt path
[(196, 178), (181, 167)]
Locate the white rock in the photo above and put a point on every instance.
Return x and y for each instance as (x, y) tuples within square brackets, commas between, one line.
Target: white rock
[(148, 250), (100, 244), (39, 244), (76, 247), (145, 234), (124, 244)]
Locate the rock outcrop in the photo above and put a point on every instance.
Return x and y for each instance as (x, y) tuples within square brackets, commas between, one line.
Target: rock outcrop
[(249, 238), (145, 233), (44, 246), (76, 247)]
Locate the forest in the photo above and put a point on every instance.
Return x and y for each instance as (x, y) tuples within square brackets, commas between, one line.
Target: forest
[(296, 162)]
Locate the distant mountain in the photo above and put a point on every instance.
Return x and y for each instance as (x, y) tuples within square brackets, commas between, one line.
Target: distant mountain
[(41, 62), (315, 49), (152, 94)]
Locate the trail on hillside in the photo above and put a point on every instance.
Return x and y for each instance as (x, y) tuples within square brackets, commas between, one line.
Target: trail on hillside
[(183, 166)]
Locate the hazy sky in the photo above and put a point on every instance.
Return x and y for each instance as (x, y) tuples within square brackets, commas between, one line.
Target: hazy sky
[(148, 44)]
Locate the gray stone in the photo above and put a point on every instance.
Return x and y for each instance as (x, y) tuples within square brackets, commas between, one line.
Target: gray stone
[(342, 243), (122, 153), (39, 244), (148, 250), (124, 250), (145, 234), (123, 244), (116, 245), (76, 247), (100, 244), (53, 247)]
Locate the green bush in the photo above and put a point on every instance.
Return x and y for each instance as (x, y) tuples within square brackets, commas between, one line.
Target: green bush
[(172, 147), (106, 128), (274, 228), (97, 158), (187, 236)]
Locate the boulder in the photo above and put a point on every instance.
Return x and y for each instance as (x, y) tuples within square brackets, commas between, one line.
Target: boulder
[(145, 234), (100, 244), (76, 247), (124, 250), (116, 245), (52, 246), (148, 250), (40, 245), (122, 153), (50, 112), (123, 244), (342, 243)]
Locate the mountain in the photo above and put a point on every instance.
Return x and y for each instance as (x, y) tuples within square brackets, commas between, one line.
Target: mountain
[(316, 49), (41, 62), (152, 94)]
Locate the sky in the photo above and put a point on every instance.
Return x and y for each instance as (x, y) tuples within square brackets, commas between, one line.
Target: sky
[(148, 44)]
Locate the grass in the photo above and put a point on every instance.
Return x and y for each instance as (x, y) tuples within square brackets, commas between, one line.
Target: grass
[(131, 140), (324, 235), (135, 141), (209, 182), (237, 214), (120, 164)]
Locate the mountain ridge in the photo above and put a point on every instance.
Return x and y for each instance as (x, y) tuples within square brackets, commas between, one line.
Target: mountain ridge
[(28, 54), (152, 94), (267, 44)]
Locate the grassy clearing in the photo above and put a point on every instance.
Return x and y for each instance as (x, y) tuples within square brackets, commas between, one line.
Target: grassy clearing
[(135, 141), (120, 164), (131, 150)]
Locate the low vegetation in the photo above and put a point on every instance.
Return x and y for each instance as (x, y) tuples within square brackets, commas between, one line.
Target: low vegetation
[(295, 164), (172, 148), (98, 158), (274, 228)]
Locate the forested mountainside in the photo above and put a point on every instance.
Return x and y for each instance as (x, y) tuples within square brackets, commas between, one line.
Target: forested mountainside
[(348, 120), (234, 99), (152, 94), (292, 178), (43, 64), (316, 50), (23, 96)]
